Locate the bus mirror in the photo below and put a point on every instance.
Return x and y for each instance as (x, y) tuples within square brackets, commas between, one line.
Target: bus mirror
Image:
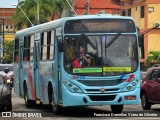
[(60, 46)]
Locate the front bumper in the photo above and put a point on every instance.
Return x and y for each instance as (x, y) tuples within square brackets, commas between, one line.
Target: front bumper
[(80, 99)]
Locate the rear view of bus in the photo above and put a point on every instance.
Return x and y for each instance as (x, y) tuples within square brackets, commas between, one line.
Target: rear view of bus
[(100, 63)]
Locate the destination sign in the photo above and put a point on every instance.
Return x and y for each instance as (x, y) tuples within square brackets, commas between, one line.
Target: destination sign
[(99, 25)]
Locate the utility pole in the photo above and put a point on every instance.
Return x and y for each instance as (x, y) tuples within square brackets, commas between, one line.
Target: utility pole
[(87, 7), (3, 42)]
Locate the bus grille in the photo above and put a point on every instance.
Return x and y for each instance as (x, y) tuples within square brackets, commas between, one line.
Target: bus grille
[(101, 82), (102, 98), (98, 90)]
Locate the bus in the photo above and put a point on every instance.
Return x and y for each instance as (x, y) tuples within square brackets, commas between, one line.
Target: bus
[(88, 60)]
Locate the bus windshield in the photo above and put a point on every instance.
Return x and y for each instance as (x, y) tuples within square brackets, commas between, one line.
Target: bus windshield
[(101, 54)]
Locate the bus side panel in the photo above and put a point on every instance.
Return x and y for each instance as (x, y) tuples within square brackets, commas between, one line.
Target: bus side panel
[(29, 78), (45, 77)]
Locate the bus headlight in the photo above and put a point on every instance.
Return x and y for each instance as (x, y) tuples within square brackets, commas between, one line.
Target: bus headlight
[(131, 85), (129, 88), (71, 87), (75, 89), (134, 83)]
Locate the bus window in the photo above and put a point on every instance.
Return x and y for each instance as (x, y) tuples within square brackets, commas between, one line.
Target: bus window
[(52, 46), (48, 44), (44, 47), (31, 48), (42, 42), (16, 50), (26, 51)]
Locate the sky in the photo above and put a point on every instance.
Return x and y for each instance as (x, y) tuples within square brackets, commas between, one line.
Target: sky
[(8, 3)]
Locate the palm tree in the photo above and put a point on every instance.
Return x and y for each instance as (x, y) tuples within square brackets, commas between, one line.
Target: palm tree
[(48, 9), (153, 57)]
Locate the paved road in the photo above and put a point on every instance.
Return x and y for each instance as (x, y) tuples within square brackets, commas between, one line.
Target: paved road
[(89, 113)]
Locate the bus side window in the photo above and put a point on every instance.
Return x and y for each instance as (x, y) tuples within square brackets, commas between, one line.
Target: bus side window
[(52, 45), (31, 48), (16, 47), (48, 44), (44, 47), (26, 51), (42, 42)]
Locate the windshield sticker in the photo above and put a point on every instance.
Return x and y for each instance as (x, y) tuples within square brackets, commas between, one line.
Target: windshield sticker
[(75, 77), (87, 70), (116, 69), (122, 77)]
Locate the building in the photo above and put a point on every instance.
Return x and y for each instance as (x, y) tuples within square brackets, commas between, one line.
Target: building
[(98, 6), (147, 17), (7, 27), (6, 15), (94, 7)]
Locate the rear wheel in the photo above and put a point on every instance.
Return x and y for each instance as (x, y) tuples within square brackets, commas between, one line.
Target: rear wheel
[(117, 108), (28, 103), (146, 105)]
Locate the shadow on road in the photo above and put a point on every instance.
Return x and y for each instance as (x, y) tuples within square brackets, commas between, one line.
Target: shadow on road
[(69, 111)]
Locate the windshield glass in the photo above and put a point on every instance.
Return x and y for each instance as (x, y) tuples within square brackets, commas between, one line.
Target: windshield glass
[(101, 55)]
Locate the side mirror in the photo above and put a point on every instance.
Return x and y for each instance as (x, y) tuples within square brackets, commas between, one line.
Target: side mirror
[(158, 80)]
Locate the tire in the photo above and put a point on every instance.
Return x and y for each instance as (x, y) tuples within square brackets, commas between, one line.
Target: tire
[(55, 108), (9, 107), (117, 108), (28, 103), (146, 105)]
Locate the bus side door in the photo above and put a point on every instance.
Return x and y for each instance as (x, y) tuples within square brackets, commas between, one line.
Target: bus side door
[(20, 71), (36, 66), (59, 59)]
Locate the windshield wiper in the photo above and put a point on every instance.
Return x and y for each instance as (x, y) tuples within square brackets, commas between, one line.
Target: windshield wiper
[(113, 39)]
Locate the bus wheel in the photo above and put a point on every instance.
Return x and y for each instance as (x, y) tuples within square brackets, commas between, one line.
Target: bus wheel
[(117, 108), (55, 107), (28, 103), (144, 102)]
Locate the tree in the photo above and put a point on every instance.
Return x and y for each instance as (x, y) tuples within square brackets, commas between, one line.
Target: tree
[(8, 51), (153, 57), (48, 9)]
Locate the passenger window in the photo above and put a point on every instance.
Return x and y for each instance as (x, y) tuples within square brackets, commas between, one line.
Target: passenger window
[(26, 51)]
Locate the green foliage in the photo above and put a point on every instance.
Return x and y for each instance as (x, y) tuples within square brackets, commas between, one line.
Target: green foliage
[(47, 9), (153, 57), (8, 52)]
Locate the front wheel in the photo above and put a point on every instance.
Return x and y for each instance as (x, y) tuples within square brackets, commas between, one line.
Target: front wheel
[(54, 107), (146, 105), (117, 108)]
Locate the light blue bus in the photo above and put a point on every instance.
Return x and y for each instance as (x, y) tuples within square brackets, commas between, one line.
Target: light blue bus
[(86, 60)]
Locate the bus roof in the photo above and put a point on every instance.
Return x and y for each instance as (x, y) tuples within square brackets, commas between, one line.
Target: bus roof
[(61, 22)]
